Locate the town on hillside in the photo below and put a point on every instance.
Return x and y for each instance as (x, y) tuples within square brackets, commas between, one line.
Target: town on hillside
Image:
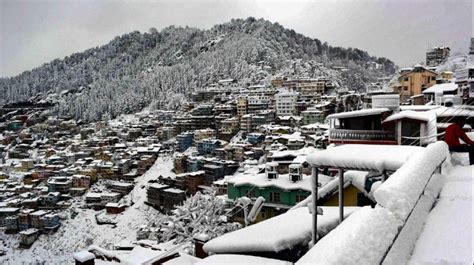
[(296, 170)]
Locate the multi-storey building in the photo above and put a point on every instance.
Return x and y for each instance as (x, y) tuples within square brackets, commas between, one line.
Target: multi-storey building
[(413, 81), (437, 56), (242, 104), (286, 103)]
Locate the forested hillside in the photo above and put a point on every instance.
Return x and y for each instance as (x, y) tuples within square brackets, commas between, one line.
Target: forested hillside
[(163, 67)]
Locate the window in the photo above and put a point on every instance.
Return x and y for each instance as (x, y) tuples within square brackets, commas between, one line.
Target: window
[(251, 194), (300, 197), (405, 88), (274, 196)]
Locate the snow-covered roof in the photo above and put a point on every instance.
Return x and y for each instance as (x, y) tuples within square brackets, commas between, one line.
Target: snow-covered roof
[(299, 152), (414, 115), (173, 190), (316, 126), (441, 88), (240, 259), (363, 157), (294, 228), (83, 256), (419, 107), (183, 259), (282, 182), (358, 113)]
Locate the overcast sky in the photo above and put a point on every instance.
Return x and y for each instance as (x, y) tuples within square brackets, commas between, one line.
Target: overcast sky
[(35, 32)]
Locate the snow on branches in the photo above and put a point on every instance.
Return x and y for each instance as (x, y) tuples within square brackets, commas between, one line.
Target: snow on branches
[(202, 213)]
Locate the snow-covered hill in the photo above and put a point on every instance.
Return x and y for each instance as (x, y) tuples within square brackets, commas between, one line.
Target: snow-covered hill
[(163, 67)]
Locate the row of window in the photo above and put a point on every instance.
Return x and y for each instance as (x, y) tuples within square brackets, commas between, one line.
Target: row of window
[(275, 196)]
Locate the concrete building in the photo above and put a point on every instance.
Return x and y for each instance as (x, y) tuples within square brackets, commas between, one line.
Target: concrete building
[(437, 56), (286, 103), (414, 81)]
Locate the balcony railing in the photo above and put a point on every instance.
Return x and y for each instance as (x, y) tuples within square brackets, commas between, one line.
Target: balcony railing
[(360, 135)]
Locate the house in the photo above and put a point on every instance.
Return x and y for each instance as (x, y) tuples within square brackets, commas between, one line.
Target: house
[(115, 208), (280, 191), (414, 81), (184, 141), (285, 103), (110, 197), (179, 163), (36, 221), (121, 187), (213, 172), (228, 128), (312, 115), (250, 122), (7, 211), (290, 121), (172, 197), (465, 81), (154, 194), (59, 184), (50, 222), (28, 237), (242, 105), (360, 127), (257, 103), (191, 180), (255, 138), (207, 146), (440, 94), (202, 134), (50, 199), (24, 219), (11, 224)]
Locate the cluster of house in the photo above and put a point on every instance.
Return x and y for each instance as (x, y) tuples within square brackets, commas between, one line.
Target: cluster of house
[(254, 144), (44, 164), (420, 85)]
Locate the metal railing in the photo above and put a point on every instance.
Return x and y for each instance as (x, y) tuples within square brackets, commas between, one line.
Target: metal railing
[(364, 135)]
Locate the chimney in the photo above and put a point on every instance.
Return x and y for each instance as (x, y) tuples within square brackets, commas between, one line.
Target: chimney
[(271, 169), (84, 258), (296, 171), (199, 241)]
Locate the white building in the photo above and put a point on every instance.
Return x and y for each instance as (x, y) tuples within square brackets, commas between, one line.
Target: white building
[(285, 103)]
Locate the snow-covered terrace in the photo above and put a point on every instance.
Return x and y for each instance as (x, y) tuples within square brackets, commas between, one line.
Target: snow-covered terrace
[(403, 202)]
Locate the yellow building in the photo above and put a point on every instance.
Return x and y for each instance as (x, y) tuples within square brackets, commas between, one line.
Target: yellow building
[(447, 75), (242, 106), (414, 81)]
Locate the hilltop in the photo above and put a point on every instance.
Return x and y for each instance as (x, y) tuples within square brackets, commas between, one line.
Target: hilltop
[(162, 68)]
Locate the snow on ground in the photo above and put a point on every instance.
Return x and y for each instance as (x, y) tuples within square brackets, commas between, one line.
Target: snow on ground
[(447, 235), (76, 234)]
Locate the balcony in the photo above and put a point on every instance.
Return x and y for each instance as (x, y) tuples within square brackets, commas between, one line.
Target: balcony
[(361, 136)]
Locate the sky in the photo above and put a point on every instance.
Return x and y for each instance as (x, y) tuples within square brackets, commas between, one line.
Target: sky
[(33, 32)]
